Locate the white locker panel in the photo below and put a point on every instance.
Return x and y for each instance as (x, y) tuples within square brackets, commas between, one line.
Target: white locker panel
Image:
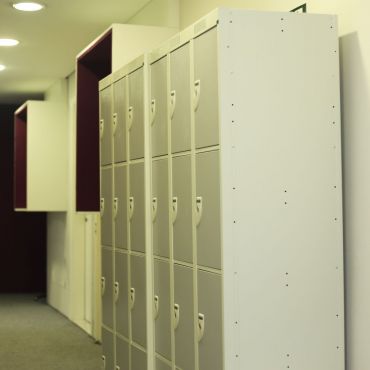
[(105, 126), (120, 209), (160, 212), (137, 299), (183, 312), (135, 115), (207, 205), (107, 287), (180, 99), (137, 207), (162, 308), (106, 201), (160, 365), (122, 354), (119, 119), (121, 294), (182, 209), (158, 73), (107, 350), (138, 359), (206, 89)]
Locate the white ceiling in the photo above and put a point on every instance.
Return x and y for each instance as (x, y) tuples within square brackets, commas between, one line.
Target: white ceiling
[(51, 39)]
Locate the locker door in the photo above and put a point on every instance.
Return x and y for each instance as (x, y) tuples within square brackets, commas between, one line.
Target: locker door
[(121, 294), (208, 209), (205, 89), (137, 207), (122, 354), (160, 208), (163, 309), (119, 120), (105, 126), (120, 207), (106, 206), (159, 107), (107, 350), (138, 300), (160, 365), (210, 321), (138, 359), (180, 99), (135, 115), (107, 287), (182, 209), (184, 315)]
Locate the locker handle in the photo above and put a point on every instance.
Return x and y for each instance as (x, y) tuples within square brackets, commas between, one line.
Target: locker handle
[(101, 128), (118, 368), (115, 207), (102, 206), (114, 123), (131, 207), (154, 208), (116, 291), (130, 117), (103, 359), (176, 312), (132, 297), (201, 326), (174, 209), (102, 280), (156, 307), (153, 111), (199, 209), (172, 102), (196, 94)]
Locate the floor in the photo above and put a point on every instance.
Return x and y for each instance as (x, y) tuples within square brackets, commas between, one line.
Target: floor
[(33, 336)]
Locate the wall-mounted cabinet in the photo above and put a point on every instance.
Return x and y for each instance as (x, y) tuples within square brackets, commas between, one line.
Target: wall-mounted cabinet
[(40, 157)]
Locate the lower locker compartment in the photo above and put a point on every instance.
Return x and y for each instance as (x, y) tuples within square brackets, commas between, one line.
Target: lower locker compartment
[(107, 350), (122, 354), (107, 287), (160, 365), (138, 359)]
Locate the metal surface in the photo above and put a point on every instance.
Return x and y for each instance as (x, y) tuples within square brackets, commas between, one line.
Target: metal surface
[(120, 210), (121, 301), (119, 112)]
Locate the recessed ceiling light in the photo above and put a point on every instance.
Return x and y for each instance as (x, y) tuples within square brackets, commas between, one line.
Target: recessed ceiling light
[(8, 42), (28, 7), (2, 67)]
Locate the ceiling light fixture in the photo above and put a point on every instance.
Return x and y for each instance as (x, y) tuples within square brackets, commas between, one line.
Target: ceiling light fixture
[(8, 42), (2, 67), (28, 7)]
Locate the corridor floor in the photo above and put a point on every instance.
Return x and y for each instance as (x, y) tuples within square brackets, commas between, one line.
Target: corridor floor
[(33, 336)]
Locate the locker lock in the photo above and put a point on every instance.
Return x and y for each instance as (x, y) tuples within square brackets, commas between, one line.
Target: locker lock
[(174, 209), (153, 111), (156, 306), (132, 298), (116, 291), (201, 326), (154, 208), (172, 102), (130, 117), (118, 368), (196, 94), (101, 128), (103, 360), (199, 209), (131, 207), (102, 285), (114, 123), (176, 314), (115, 207), (102, 204)]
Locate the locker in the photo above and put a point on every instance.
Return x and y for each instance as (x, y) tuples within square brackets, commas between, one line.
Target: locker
[(122, 354), (121, 294), (210, 321), (105, 126), (207, 205), (120, 207), (138, 359), (160, 365), (162, 308), (180, 99), (107, 287), (183, 312), (106, 201), (135, 114), (137, 207), (205, 89), (119, 119), (160, 212), (182, 209), (137, 300), (107, 350), (158, 72)]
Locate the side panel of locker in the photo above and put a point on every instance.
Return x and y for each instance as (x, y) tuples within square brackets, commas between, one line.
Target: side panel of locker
[(206, 89), (162, 304), (105, 126), (135, 116), (158, 73), (107, 287), (137, 207), (121, 294), (184, 318), (160, 212), (138, 299), (180, 99), (106, 207), (208, 209), (120, 206), (138, 359), (119, 120), (122, 354), (210, 321), (107, 349)]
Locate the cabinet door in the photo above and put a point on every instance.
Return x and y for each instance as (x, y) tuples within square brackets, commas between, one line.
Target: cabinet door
[(135, 116), (107, 287), (182, 209), (138, 359), (180, 99), (163, 311), (119, 120), (137, 207), (122, 354), (210, 321), (138, 300), (205, 89), (121, 294), (106, 206), (120, 207), (158, 72), (207, 205), (184, 315), (106, 126), (160, 211), (160, 365), (107, 350)]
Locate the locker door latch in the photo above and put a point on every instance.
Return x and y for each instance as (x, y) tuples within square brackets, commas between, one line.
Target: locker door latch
[(114, 123), (196, 94), (103, 360), (118, 368), (199, 209), (154, 208), (174, 209), (102, 280), (115, 207), (172, 102), (116, 291), (156, 306), (130, 117), (101, 128), (153, 111), (176, 313), (102, 206), (201, 326), (132, 298), (131, 207)]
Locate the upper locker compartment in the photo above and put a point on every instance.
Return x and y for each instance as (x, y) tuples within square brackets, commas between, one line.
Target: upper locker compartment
[(119, 119), (105, 126)]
